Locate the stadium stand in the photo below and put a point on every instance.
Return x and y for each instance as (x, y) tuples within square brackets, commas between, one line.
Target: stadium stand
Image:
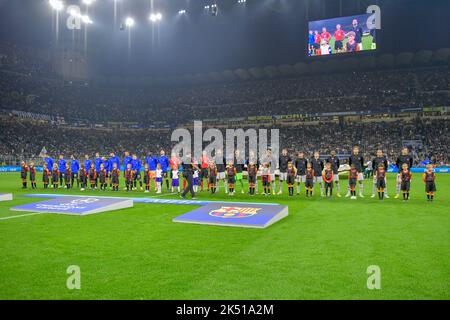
[(376, 109)]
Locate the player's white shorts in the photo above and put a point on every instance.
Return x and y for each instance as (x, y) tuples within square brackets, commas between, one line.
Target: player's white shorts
[(221, 175), (300, 179), (360, 176), (318, 180), (283, 176), (336, 177)]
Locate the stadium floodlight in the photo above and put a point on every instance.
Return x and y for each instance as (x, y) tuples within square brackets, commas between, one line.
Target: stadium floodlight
[(129, 22), (242, 1), (88, 2), (182, 11), (206, 7), (155, 17), (57, 5)]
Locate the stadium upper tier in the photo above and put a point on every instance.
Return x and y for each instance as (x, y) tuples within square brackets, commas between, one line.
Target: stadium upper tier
[(368, 83), (385, 91)]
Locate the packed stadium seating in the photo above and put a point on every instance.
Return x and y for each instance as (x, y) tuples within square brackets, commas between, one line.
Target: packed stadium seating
[(24, 140), (27, 84), (383, 91)]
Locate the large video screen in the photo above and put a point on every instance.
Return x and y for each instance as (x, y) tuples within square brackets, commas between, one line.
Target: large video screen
[(341, 35)]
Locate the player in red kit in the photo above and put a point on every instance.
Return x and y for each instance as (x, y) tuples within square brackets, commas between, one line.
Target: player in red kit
[(204, 172), (339, 36), (325, 35)]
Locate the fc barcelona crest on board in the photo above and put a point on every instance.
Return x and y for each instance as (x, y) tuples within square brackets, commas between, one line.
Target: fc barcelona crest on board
[(234, 212), (235, 215)]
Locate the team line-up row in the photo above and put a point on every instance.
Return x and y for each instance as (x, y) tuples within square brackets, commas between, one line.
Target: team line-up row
[(292, 172)]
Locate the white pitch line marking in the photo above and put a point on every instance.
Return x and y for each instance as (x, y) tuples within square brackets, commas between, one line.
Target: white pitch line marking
[(22, 215)]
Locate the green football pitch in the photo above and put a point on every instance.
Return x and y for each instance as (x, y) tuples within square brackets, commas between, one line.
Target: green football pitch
[(322, 250)]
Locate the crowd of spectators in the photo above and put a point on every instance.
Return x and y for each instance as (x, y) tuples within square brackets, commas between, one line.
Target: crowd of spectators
[(26, 140), (26, 60), (27, 84), (384, 91)]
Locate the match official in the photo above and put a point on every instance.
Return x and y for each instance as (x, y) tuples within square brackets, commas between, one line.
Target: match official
[(188, 173)]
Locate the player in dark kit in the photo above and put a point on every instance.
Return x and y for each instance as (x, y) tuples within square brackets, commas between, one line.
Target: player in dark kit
[(23, 174), (380, 159), (406, 177), (300, 165), (358, 161), (146, 177), (115, 175), (231, 174), (404, 157), (335, 164), (92, 176), (83, 177), (317, 40), (46, 175), (55, 176), (291, 173), (283, 165), (265, 178), (128, 174), (220, 164), (429, 177), (358, 30), (212, 177), (352, 179), (102, 175), (328, 177), (32, 169), (309, 180), (252, 171), (68, 177), (317, 166), (381, 181), (253, 159)]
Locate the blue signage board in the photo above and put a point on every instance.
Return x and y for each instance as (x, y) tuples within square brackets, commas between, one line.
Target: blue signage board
[(76, 205), (235, 215)]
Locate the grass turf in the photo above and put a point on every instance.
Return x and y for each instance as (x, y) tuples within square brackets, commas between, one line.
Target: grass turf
[(320, 251)]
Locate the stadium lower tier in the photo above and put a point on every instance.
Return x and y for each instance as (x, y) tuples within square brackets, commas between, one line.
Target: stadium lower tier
[(427, 139)]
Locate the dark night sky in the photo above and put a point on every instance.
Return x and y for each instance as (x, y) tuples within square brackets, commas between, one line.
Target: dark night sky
[(260, 33)]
